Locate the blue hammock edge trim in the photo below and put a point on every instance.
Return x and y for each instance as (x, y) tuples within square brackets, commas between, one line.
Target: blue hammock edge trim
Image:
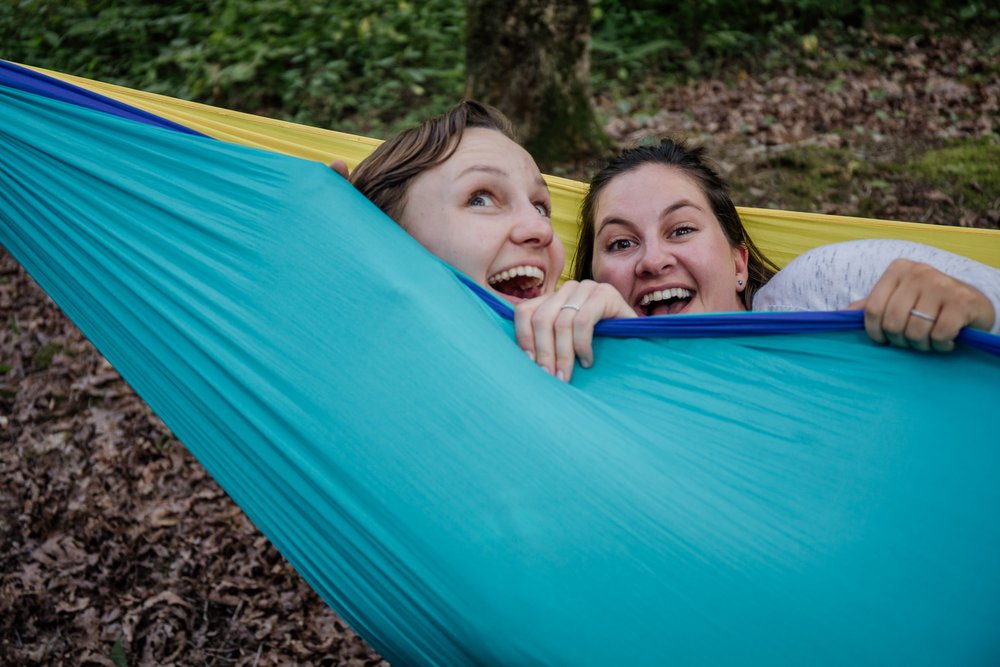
[(28, 80), (715, 325), (729, 325)]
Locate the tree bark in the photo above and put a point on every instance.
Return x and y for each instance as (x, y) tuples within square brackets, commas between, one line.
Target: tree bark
[(531, 60)]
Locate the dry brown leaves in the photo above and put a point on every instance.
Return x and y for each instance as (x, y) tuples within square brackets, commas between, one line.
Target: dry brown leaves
[(922, 92), (919, 91), (111, 532)]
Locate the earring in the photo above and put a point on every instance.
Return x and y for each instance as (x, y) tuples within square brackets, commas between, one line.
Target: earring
[(740, 282)]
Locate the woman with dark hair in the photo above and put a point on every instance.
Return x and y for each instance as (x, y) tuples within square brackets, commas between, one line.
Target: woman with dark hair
[(692, 163), (659, 226)]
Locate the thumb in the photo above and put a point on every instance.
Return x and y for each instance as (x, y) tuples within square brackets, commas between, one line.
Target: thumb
[(857, 305)]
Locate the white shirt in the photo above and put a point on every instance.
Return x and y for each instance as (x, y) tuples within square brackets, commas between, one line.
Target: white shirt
[(832, 276)]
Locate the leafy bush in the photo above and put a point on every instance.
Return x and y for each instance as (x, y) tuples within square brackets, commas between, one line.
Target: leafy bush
[(327, 64), (371, 66)]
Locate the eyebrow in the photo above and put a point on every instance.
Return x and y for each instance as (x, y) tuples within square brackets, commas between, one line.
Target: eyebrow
[(540, 182), (683, 203), (483, 167)]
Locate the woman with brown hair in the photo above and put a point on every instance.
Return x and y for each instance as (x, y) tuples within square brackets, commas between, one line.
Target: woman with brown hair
[(462, 187)]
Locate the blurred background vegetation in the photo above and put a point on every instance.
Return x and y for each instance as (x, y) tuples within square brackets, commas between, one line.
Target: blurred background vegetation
[(842, 106), (373, 66)]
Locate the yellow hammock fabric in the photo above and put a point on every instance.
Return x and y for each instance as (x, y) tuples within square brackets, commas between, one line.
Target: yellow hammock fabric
[(781, 235), (767, 500)]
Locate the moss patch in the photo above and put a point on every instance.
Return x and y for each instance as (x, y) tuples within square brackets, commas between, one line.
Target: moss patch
[(810, 178), (966, 171), (955, 184), (42, 358)]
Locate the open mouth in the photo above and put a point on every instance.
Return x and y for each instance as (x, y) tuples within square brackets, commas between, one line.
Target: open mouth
[(520, 282), (665, 302)]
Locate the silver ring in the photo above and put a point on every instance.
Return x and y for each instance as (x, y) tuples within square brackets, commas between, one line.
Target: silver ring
[(922, 315), (570, 305)]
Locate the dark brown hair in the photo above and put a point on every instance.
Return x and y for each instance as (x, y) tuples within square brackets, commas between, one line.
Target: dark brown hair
[(691, 161), (385, 176)]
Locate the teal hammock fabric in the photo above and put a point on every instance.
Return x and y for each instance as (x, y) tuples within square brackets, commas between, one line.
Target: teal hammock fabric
[(759, 500)]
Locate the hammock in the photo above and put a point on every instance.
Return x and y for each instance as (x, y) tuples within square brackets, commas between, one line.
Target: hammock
[(782, 235), (781, 499)]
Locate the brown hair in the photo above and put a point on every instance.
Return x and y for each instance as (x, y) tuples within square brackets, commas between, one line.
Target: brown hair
[(385, 176), (691, 161)]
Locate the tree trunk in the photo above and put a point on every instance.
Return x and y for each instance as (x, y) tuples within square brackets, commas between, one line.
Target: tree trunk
[(531, 60)]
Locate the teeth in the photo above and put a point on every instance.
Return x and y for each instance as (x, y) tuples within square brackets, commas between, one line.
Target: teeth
[(529, 271), (664, 294)]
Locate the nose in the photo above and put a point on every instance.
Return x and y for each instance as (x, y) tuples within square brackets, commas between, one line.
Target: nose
[(531, 227), (655, 258)]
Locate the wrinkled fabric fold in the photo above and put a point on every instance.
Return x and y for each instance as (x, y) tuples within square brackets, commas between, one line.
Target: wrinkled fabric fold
[(806, 499)]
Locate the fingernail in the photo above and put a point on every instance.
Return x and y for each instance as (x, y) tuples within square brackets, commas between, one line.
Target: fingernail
[(561, 375), (531, 355), (586, 363)]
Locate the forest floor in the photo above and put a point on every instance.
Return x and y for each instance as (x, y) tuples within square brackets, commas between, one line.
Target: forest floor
[(880, 127), (117, 548)]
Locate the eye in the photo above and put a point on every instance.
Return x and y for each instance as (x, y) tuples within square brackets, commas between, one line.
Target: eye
[(620, 244), (543, 209), (682, 230), (481, 198)]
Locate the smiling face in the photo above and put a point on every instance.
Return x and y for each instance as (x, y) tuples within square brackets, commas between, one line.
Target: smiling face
[(485, 210), (659, 243)]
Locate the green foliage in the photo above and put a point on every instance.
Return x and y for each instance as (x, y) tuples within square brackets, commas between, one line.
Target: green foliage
[(642, 39), (372, 66), (323, 64), (118, 654)]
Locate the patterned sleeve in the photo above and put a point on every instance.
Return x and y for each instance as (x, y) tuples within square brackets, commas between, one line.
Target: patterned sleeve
[(832, 276)]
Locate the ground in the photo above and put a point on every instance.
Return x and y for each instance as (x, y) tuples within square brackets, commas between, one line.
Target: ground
[(117, 548), (886, 128)]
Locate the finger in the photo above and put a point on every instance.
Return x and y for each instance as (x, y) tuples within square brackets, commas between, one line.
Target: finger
[(543, 323), (575, 327), (904, 285), (857, 305), (950, 321), (573, 321), (524, 332), (340, 167), (603, 302), (923, 318), (943, 345), (897, 317), (960, 305), (875, 307), (583, 338)]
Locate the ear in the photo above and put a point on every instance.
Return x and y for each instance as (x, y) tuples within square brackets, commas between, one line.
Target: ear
[(741, 258)]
